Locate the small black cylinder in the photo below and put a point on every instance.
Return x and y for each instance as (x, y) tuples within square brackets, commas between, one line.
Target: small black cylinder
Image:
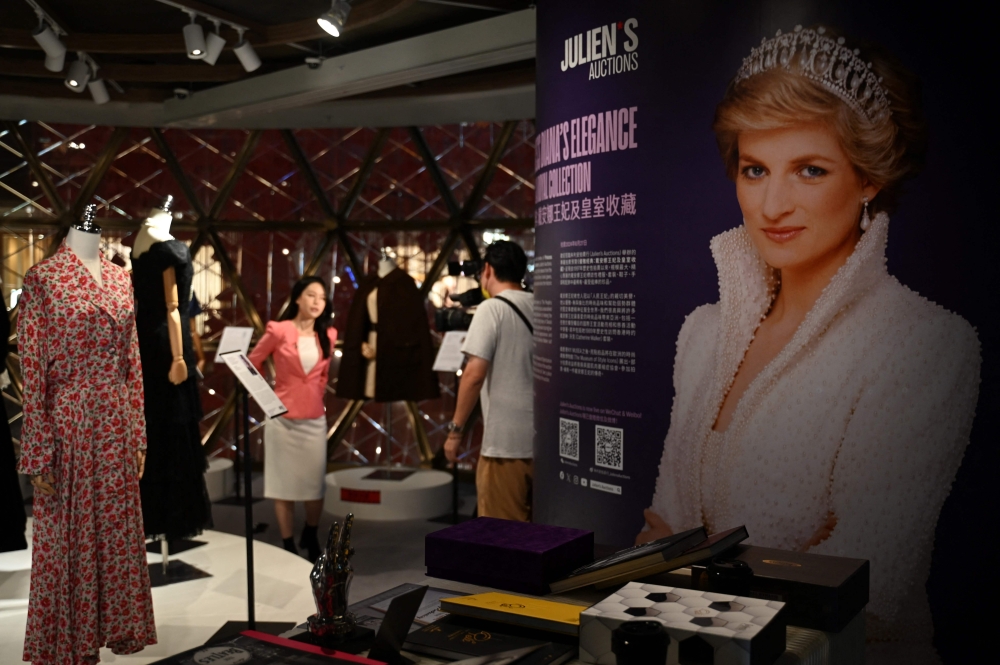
[(640, 643), (730, 576)]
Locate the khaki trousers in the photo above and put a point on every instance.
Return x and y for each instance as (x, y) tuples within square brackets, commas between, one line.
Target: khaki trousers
[(504, 488)]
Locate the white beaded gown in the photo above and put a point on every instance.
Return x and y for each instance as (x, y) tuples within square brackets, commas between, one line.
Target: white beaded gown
[(865, 413)]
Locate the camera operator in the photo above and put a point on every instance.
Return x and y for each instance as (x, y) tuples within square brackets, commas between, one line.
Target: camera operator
[(499, 370)]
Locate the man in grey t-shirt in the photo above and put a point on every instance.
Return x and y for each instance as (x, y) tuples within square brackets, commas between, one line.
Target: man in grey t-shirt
[(499, 348)]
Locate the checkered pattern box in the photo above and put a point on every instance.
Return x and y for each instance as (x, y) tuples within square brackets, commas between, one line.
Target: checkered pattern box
[(704, 627)]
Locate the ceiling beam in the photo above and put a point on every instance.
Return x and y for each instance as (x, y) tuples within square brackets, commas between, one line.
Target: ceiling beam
[(235, 171), (101, 166), (254, 26), (473, 46), (513, 103), (363, 14), (367, 13), (272, 225), (168, 156), (35, 164), (430, 163), (163, 73)]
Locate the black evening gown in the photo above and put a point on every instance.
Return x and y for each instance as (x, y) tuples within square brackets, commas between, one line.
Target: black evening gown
[(12, 515), (174, 499)]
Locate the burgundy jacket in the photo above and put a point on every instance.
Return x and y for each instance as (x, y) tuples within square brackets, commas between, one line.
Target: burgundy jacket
[(301, 393), (404, 354)]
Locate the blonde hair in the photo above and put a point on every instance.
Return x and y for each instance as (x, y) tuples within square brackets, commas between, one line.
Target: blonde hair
[(884, 153)]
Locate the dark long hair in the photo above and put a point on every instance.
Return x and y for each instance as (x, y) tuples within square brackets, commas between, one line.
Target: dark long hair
[(323, 321)]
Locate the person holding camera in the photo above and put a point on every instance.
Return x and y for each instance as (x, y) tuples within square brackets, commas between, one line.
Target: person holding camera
[(498, 370)]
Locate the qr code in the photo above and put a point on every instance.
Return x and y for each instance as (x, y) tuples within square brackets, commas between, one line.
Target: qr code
[(569, 439), (610, 447)]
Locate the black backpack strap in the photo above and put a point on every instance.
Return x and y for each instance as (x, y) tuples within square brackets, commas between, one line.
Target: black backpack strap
[(518, 312)]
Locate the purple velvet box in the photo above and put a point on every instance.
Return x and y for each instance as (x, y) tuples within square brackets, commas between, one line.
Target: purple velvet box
[(503, 554)]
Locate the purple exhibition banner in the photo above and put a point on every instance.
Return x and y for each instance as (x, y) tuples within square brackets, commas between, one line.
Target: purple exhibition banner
[(602, 220), (630, 191)]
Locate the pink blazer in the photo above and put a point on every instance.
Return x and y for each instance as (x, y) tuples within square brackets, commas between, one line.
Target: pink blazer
[(301, 393)]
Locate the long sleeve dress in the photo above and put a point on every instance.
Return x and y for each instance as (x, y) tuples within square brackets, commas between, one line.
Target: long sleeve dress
[(864, 414), (175, 501), (83, 423)]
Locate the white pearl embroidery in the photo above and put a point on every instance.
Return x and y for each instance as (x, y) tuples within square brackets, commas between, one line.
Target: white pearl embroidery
[(865, 413)]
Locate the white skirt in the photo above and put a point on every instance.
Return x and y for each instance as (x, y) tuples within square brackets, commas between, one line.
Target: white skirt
[(295, 459)]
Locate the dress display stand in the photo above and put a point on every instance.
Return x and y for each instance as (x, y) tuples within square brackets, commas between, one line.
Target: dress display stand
[(388, 358), (175, 501), (82, 440), (387, 320)]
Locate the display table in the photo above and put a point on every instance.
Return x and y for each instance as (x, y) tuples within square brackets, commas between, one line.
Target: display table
[(187, 613), (805, 647), (374, 493)]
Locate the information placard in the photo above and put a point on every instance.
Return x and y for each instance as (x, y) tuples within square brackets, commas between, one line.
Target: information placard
[(254, 383), (449, 356), (234, 338)]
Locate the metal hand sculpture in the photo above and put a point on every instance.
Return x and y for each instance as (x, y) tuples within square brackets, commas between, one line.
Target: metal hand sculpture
[(331, 580)]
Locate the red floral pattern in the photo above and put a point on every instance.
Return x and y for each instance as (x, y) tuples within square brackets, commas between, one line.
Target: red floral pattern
[(83, 423)]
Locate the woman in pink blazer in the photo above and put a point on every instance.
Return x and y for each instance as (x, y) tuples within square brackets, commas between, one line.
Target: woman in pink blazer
[(301, 344)]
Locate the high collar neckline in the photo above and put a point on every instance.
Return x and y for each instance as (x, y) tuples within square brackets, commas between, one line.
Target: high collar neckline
[(747, 285)]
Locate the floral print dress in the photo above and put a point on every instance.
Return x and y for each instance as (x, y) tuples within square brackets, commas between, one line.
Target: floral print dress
[(83, 423)]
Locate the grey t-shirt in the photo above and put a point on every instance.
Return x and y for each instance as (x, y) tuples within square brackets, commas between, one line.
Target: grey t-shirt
[(499, 335)]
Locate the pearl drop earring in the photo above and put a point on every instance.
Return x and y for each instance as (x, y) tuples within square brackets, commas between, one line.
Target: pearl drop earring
[(865, 219)]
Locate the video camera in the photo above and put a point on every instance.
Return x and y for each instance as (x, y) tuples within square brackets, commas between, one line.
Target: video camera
[(458, 318)]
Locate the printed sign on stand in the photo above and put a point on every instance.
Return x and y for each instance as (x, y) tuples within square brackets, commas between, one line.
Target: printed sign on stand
[(234, 338), (254, 383), (449, 356)]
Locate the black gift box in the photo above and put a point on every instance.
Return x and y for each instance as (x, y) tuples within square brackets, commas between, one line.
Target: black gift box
[(821, 592)]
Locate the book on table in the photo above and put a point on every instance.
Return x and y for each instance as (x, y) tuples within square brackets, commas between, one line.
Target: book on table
[(458, 638), (523, 611), (658, 556)]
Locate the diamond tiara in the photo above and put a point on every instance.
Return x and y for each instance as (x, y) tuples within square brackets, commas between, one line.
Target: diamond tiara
[(825, 60)]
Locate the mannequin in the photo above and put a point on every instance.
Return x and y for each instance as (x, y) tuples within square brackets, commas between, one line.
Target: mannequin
[(387, 353), (174, 499), (84, 239), (385, 266), (156, 229), (83, 433)]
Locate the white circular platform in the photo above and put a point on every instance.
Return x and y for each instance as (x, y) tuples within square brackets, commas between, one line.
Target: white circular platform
[(219, 478), (187, 613), (422, 494)]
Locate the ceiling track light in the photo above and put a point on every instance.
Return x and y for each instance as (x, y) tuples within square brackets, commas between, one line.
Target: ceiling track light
[(47, 36), (334, 19), (55, 50), (82, 73), (244, 51), (98, 91), (208, 49), (78, 74), (194, 39), (55, 63), (214, 44)]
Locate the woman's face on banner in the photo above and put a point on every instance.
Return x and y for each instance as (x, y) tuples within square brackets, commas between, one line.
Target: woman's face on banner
[(801, 197)]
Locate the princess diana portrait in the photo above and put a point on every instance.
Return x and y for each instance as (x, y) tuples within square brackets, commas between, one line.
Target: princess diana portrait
[(821, 402)]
